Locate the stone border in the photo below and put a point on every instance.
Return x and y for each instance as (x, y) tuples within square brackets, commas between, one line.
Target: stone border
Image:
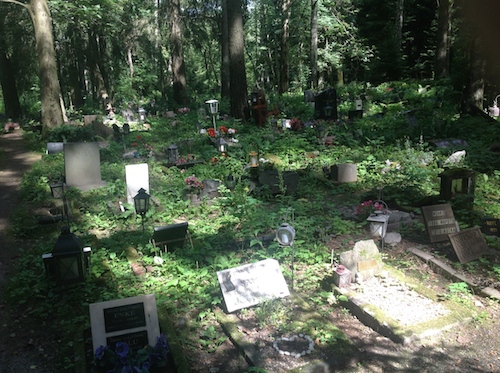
[(292, 339), (451, 274)]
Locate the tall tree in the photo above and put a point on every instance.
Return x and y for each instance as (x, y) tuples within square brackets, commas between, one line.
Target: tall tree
[(441, 68), (177, 56), (225, 59), (237, 71), (314, 45), (284, 68), (52, 111)]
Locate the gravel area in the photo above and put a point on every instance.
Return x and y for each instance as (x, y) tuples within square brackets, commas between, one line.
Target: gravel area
[(399, 301)]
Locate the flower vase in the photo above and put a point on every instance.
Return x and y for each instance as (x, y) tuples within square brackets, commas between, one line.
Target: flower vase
[(193, 198)]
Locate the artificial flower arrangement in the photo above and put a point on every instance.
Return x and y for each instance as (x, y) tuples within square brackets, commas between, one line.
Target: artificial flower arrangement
[(124, 359), (193, 184), (296, 124), (183, 110), (368, 207), (143, 149)]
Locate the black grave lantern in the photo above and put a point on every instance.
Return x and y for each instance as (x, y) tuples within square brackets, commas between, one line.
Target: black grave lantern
[(69, 261), (126, 128), (141, 202), (173, 153), (328, 111), (320, 131)]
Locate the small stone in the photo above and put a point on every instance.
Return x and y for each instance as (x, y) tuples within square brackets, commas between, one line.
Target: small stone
[(287, 353), (281, 352)]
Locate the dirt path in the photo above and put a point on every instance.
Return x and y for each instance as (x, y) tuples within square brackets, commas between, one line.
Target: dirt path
[(18, 350)]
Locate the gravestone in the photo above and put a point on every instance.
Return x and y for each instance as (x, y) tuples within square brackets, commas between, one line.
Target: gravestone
[(136, 177), (250, 284), (89, 119), (271, 178), (491, 226), (363, 261), (326, 98), (457, 182), (469, 244), (55, 147), (439, 222), (82, 165), (344, 173), (131, 320)]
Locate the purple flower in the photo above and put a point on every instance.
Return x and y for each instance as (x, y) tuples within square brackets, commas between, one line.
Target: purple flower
[(121, 349), (161, 341), (99, 353)]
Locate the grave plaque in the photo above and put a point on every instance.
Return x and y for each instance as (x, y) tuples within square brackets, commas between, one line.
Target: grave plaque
[(124, 317), (469, 244), (439, 222), (132, 320), (137, 177), (82, 165), (249, 284), (491, 227)]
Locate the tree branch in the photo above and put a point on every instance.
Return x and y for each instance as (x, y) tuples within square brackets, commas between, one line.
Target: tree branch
[(15, 2)]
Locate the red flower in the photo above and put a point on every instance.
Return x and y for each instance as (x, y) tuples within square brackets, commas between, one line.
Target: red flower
[(138, 137), (211, 132), (134, 144), (223, 129)]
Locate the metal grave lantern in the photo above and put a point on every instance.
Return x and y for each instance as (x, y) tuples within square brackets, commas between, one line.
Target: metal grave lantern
[(230, 182), (378, 223), (142, 115), (126, 128), (221, 145), (69, 260), (321, 132), (57, 190), (254, 159), (141, 204), (285, 234), (494, 110), (213, 109), (173, 153)]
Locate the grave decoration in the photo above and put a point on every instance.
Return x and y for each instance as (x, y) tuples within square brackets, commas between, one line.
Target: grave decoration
[(439, 222), (379, 220), (141, 204), (259, 107), (69, 261), (326, 105), (457, 182), (469, 244), (250, 284)]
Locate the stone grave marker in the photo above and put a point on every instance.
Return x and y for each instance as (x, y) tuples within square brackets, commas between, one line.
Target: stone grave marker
[(82, 165), (363, 261), (136, 177), (250, 284), (439, 222), (132, 320), (491, 226), (469, 244), (55, 147)]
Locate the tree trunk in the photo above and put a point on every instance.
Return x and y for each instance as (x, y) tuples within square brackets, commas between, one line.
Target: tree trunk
[(399, 23), (285, 47), (475, 94), (52, 113), (441, 68), (225, 62), (314, 45), (99, 90), (8, 80), (175, 40), (237, 71)]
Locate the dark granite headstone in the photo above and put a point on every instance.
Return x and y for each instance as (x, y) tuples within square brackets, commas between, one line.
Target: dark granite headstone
[(326, 99), (491, 226), (55, 147), (469, 244)]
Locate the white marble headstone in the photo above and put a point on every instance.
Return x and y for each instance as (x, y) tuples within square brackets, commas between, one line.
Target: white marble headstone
[(137, 177)]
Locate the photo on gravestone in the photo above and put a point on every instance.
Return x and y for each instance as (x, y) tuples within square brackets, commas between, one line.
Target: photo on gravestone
[(439, 222), (250, 284), (469, 244)]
